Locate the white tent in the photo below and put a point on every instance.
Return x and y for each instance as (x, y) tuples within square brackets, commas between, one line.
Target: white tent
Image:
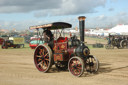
[(119, 29)]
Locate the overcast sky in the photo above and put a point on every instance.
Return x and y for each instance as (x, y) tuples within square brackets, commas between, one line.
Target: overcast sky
[(20, 14)]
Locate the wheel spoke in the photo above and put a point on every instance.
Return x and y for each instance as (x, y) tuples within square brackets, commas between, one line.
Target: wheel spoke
[(93, 60), (40, 52), (39, 59), (46, 59), (40, 63), (38, 56), (75, 71), (40, 49), (79, 68), (77, 62), (45, 64), (43, 51), (90, 68), (45, 55)]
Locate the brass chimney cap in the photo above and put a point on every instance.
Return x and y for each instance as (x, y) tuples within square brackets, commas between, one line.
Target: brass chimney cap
[(81, 18)]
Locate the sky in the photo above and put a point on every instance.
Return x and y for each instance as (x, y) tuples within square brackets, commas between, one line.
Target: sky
[(20, 14)]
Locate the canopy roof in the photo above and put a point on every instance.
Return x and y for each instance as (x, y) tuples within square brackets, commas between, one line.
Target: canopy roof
[(52, 26)]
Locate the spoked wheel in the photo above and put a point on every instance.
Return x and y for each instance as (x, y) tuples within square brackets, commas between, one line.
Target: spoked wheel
[(43, 58), (124, 44), (92, 64), (76, 66), (62, 65)]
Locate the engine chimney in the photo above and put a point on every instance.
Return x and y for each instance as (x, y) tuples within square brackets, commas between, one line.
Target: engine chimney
[(81, 27)]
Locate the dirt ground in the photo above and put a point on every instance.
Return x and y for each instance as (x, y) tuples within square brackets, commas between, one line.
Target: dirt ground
[(17, 68)]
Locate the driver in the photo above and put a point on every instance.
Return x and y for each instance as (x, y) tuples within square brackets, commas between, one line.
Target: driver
[(48, 37)]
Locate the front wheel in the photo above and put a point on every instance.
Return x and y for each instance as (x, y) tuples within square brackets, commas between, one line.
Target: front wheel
[(92, 64), (76, 66), (43, 58)]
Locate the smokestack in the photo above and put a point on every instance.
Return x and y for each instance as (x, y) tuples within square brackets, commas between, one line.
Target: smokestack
[(81, 27)]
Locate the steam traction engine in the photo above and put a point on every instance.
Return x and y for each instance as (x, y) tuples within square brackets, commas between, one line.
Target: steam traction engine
[(65, 53), (119, 41)]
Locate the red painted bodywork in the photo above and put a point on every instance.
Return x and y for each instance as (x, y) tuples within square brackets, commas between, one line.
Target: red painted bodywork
[(61, 50)]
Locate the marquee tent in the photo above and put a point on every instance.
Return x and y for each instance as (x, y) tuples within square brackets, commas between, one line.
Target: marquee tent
[(119, 29)]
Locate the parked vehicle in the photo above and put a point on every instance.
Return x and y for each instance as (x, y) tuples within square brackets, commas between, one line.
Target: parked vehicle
[(35, 42), (15, 42), (98, 45)]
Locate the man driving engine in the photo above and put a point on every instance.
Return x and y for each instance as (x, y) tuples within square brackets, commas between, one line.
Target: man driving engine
[(48, 37)]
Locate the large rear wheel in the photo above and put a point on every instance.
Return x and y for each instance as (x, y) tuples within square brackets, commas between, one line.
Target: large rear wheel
[(43, 58)]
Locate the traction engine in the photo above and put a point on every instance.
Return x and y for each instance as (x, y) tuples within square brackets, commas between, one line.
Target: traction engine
[(65, 53)]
